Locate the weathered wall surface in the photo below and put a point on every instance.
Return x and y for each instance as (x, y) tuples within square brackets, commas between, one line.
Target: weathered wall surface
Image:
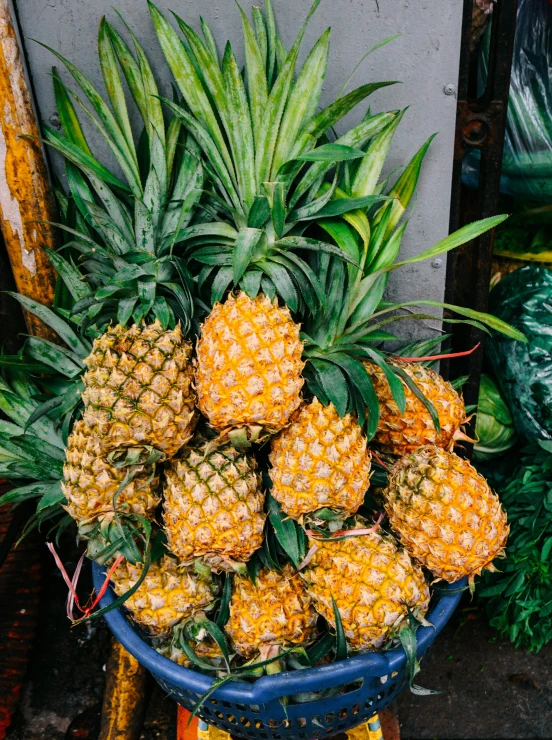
[(424, 58)]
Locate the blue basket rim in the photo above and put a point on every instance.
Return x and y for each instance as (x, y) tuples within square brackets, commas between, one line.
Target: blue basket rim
[(268, 688)]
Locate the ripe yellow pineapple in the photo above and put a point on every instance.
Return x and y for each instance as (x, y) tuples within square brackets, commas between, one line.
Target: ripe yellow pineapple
[(249, 364), (319, 461), (213, 505), (276, 612), (138, 388), (399, 433), (372, 580), (91, 482), (168, 594), (445, 513)]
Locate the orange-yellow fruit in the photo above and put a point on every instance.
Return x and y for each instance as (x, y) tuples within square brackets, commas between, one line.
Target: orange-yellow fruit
[(372, 580), (445, 513), (399, 433), (213, 506), (91, 484), (276, 611), (319, 461), (167, 595), (249, 364), (138, 388)]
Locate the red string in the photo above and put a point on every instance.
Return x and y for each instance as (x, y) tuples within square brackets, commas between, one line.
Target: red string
[(439, 357), (72, 596), (347, 532), (103, 589), (378, 458)]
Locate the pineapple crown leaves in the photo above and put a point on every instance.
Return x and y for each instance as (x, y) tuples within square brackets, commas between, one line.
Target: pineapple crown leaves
[(124, 233), (31, 459), (196, 629), (266, 151), (408, 639), (343, 334), (61, 367)]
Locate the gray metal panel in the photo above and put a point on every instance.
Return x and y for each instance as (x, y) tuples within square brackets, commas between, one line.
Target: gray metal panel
[(424, 58)]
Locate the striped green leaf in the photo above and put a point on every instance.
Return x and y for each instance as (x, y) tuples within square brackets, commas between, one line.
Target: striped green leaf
[(369, 170), (303, 100)]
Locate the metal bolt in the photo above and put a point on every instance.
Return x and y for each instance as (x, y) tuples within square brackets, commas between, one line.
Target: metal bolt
[(436, 263), (450, 89), (54, 120)]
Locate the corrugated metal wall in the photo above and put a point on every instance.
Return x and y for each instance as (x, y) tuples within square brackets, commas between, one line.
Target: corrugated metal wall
[(424, 58)]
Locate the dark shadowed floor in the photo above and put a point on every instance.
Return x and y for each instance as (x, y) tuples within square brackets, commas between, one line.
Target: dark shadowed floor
[(489, 690)]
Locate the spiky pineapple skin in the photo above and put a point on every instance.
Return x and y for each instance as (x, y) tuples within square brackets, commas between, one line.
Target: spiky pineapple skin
[(91, 482), (319, 461), (275, 611), (168, 595), (213, 505), (139, 388), (373, 581), (397, 433), (249, 364), (445, 513)]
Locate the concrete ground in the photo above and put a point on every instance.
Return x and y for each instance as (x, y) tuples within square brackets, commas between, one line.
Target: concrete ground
[(488, 689)]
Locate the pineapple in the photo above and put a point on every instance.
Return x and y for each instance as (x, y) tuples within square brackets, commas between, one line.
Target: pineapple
[(138, 388), (138, 384), (275, 612), (445, 513), (319, 461), (213, 505), (249, 364), (91, 482), (372, 581), (168, 595), (249, 354), (397, 433), (204, 647), (261, 133)]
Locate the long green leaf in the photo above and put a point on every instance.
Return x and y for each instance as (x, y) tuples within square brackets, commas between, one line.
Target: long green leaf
[(113, 85), (71, 277), (240, 128), (255, 64), (332, 114), (285, 530), (82, 159), (246, 242), (189, 83), (109, 127), (465, 234), (55, 322), (355, 137), (211, 151), (369, 169), (303, 100), (67, 115), (277, 101), (333, 382)]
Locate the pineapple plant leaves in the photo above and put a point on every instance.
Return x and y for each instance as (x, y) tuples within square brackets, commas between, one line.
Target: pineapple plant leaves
[(340, 639), (128, 251), (260, 143)]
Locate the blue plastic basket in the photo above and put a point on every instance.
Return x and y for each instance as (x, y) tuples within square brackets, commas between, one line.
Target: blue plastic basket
[(253, 710)]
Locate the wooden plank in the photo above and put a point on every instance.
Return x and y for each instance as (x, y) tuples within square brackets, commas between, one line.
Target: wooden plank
[(123, 705), (25, 193)]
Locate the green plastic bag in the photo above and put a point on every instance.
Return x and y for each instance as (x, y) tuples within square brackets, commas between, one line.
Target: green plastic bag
[(494, 426), (524, 371)]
